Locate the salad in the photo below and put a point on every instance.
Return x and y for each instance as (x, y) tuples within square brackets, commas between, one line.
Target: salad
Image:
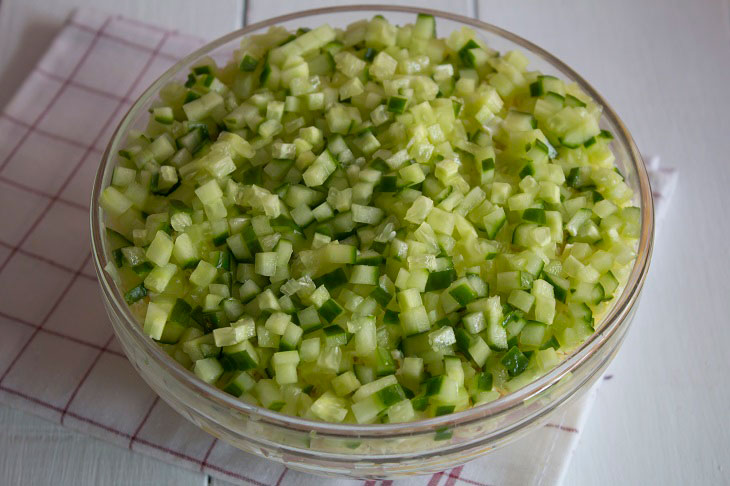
[(369, 225)]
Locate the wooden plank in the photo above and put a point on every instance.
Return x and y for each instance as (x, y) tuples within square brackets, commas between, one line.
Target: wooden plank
[(35, 451), (38, 452), (27, 27), (663, 66), (258, 10)]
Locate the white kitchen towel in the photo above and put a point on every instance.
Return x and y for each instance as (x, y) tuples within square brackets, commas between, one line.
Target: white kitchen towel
[(58, 356)]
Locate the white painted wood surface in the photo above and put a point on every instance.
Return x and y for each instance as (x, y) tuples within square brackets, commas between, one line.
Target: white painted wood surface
[(33, 451), (28, 26), (664, 66), (36, 452)]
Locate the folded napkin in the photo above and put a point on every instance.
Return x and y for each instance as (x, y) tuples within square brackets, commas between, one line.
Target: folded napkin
[(58, 356)]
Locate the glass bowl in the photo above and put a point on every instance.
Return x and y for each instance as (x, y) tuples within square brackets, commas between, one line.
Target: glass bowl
[(384, 450)]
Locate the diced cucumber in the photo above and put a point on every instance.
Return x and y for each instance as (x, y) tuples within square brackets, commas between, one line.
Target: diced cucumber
[(242, 356), (370, 224), (515, 361), (208, 370)]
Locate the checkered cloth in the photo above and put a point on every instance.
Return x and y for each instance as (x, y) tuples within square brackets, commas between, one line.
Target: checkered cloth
[(58, 355)]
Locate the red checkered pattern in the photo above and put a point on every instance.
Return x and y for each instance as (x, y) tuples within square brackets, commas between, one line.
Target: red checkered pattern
[(58, 356)]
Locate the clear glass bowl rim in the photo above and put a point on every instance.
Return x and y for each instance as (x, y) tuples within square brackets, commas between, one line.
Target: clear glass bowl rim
[(610, 324)]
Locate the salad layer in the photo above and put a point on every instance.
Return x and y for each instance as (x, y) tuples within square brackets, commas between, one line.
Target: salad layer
[(371, 224)]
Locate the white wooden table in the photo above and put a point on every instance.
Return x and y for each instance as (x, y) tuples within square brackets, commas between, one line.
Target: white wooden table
[(664, 65)]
